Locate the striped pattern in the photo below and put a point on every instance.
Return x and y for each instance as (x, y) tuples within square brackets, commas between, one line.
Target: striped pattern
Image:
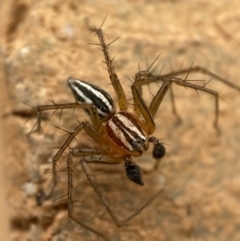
[(88, 93), (127, 133)]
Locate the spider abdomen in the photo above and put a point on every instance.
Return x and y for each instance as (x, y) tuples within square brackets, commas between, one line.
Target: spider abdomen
[(127, 134), (92, 94)]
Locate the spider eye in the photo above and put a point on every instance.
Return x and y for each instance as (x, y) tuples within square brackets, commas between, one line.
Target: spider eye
[(158, 151), (137, 142), (134, 173)]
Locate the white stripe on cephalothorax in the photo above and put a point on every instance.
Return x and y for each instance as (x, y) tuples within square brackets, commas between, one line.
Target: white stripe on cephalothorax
[(131, 126), (118, 133), (126, 131)]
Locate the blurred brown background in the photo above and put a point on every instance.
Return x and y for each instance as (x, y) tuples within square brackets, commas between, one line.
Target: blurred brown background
[(45, 42)]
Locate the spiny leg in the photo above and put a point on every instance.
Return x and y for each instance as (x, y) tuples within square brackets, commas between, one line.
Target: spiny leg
[(174, 110), (138, 87), (82, 126), (156, 101), (122, 101), (119, 223), (205, 71), (100, 156), (147, 77), (204, 89), (148, 113), (70, 200), (91, 108), (96, 156), (41, 108), (144, 78)]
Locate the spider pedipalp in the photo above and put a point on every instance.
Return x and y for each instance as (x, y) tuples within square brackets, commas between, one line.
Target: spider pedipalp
[(134, 172), (159, 150)]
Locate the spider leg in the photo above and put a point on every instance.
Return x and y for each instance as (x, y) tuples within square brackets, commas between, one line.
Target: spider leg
[(70, 202), (137, 111), (88, 152), (122, 101), (174, 110), (138, 89), (147, 77), (82, 126), (204, 89), (205, 71), (197, 69), (92, 111), (96, 156), (212, 92), (148, 113), (90, 177)]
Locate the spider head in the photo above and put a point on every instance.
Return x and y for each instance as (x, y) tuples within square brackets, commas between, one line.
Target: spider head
[(134, 172), (127, 134), (139, 144)]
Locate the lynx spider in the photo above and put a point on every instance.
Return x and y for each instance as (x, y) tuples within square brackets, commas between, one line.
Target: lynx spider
[(120, 135)]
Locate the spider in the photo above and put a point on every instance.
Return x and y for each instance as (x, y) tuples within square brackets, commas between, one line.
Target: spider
[(120, 135)]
